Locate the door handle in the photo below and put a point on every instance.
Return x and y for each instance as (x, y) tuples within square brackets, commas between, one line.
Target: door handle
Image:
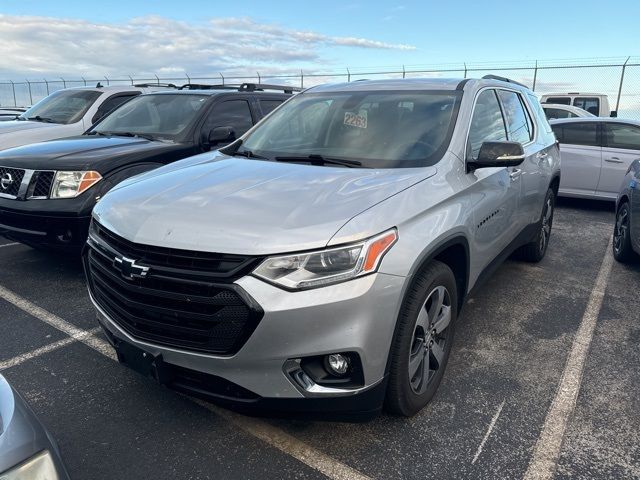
[(515, 174), (542, 155), (613, 160)]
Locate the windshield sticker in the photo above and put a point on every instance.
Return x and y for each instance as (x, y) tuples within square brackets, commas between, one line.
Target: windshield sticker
[(356, 120)]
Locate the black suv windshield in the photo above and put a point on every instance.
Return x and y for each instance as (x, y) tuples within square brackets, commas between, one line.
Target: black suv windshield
[(155, 115), (377, 129), (63, 106)]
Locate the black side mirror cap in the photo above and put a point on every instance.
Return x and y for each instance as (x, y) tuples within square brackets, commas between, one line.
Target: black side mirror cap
[(221, 135), (498, 154)]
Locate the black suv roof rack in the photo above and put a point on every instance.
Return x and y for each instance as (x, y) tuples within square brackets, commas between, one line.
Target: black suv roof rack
[(243, 87), (157, 84), (503, 79)]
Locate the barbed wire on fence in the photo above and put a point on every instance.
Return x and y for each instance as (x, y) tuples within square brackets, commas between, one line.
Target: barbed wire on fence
[(617, 77)]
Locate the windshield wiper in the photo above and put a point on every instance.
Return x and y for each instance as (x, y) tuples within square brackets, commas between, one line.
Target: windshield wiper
[(126, 134), (316, 159), (248, 154), (38, 118)]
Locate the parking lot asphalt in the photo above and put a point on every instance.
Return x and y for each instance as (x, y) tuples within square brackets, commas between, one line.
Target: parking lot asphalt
[(508, 368)]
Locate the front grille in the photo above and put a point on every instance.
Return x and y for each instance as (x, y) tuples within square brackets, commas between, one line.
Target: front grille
[(11, 179), (41, 184), (186, 300)]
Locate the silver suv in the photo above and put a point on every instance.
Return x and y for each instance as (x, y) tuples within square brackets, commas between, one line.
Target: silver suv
[(321, 261)]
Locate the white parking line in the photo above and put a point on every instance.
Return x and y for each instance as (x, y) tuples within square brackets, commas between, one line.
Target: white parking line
[(56, 322), (269, 434), (547, 450), (489, 430), (288, 444), (9, 244), (12, 362)]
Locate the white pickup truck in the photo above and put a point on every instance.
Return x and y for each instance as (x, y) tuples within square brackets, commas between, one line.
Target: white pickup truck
[(594, 103), (65, 113)]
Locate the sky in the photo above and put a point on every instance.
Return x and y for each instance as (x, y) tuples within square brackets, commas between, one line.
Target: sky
[(48, 38)]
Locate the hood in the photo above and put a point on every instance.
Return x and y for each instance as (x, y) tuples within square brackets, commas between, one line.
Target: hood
[(22, 125), (82, 153), (253, 207)]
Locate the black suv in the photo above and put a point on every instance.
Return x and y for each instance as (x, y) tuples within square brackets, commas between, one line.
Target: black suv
[(47, 190)]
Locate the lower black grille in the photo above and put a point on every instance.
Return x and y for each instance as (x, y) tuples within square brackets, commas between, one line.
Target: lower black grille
[(41, 184), (10, 180), (183, 308)]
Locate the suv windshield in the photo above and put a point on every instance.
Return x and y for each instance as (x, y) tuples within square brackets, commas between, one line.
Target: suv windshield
[(63, 106), (377, 129), (156, 115)]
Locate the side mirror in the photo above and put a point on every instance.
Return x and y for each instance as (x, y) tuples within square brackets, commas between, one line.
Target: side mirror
[(221, 135), (498, 154), (614, 114)]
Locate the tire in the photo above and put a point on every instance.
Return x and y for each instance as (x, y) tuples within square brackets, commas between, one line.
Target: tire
[(535, 250), (622, 249), (432, 299)]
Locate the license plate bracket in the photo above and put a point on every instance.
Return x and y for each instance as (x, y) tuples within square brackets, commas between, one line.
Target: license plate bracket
[(143, 362)]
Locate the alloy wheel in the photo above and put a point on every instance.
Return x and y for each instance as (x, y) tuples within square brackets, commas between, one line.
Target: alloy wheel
[(429, 340), (547, 219), (620, 230)]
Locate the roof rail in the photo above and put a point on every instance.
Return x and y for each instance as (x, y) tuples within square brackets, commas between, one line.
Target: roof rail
[(157, 84), (253, 87), (503, 79), (205, 86), (243, 87)]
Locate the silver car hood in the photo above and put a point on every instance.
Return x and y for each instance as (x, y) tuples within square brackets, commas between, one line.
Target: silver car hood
[(232, 205), (22, 125)]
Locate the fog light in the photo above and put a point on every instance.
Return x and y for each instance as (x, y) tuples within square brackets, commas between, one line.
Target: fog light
[(338, 364)]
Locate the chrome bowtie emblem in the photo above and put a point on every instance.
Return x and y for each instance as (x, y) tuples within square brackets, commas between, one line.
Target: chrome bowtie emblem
[(6, 181), (129, 268)]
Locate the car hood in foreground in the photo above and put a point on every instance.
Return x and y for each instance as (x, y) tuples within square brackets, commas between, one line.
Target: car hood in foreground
[(86, 152), (21, 125), (254, 207)]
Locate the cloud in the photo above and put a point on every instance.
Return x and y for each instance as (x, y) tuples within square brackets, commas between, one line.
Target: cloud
[(42, 46)]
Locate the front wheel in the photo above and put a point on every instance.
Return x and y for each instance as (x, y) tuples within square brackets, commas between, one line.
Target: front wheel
[(422, 343), (622, 250), (537, 248)]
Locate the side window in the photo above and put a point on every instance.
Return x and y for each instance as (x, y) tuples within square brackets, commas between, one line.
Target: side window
[(537, 107), (230, 113), (578, 133), (111, 104), (554, 113), (518, 124), (619, 135), (560, 100), (487, 123), (267, 106), (591, 105)]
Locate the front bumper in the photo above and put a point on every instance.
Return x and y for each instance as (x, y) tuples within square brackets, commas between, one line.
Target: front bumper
[(50, 230), (356, 316)]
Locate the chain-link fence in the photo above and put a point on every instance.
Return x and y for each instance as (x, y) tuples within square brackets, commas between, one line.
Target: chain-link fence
[(617, 77)]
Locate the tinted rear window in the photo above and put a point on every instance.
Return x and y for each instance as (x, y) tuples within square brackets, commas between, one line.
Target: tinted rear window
[(577, 133)]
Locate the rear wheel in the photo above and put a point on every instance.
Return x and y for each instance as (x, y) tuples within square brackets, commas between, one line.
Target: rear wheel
[(622, 249), (537, 248), (423, 339)]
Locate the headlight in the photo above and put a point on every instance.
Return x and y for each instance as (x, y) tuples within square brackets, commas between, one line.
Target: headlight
[(38, 467), (72, 184), (316, 269)]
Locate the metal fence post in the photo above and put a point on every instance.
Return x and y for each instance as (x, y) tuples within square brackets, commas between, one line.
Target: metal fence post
[(47, 84), (64, 82), (301, 79), (30, 94), (624, 67), (222, 78), (404, 73), (259, 79), (85, 82), (188, 77), (465, 70), (535, 77), (130, 79), (105, 77), (348, 75), (13, 87)]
